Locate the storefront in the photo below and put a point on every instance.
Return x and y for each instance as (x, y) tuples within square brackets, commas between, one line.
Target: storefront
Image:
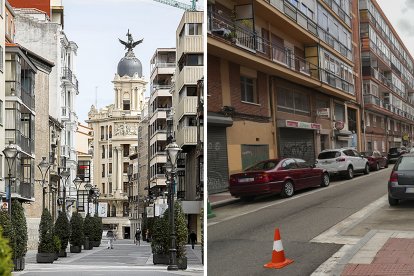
[(297, 139)]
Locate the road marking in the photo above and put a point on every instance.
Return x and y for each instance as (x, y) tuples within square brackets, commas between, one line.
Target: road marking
[(292, 198)]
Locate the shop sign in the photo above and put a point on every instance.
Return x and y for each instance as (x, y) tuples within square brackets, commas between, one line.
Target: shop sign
[(406, 137), (322, 112), (339, 125), (150, 211), (304, 125)]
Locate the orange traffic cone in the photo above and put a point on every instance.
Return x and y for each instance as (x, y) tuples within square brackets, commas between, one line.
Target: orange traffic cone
[(278, 255)]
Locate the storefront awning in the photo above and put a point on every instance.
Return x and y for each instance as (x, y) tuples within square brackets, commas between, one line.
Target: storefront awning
[(214, 119)]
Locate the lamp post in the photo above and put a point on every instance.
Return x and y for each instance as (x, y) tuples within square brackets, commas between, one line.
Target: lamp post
[(88, 187), (96, 195), (11, 151), (172, 150), (64, 175), (44, 168), (77, 181)]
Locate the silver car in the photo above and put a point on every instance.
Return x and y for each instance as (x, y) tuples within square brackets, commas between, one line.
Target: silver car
[(342, 161)]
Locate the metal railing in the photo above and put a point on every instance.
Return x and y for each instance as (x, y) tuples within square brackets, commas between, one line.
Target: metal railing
[(68, 75), (369, 71), (15, 89), (372, 99), (16, 137), (339, 11)]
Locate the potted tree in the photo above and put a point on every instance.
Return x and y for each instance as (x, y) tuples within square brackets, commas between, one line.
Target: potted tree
[(20, 230), (97, 231), (6, 263), (62, 230), (88, 232), (76, 237), (46, 250), (181, 233), (8, 231), (56, 246), (160, 241)]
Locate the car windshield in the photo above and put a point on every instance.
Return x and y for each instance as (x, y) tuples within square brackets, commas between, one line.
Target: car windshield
[(367, 153), (406, 163), (394, 150), (329, 154), (264, 165)]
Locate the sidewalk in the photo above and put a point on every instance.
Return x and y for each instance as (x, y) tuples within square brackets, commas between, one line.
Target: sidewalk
[(380, 252), (221, 199)]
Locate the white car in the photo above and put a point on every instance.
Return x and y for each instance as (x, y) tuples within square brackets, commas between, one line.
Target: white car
[(342, 161)]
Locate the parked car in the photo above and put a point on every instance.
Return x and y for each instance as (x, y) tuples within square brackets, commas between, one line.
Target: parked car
[(284, 176), (395, 153), (401, 182), (342, 161), (375, 160)]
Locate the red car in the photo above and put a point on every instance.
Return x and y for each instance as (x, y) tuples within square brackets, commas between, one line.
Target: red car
[(284, 176), (375, 160)]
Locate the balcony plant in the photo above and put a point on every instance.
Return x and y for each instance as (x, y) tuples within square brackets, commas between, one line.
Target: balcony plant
[(62, 230), (88, 232), (6, 263), (20, 229), (76, 236), (46, 250)]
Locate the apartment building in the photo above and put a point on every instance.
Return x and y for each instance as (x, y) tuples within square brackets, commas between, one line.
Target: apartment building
[(388, 83), (115, 133), (189, 70), (278, 91), (47, 17), (2, 89), (162, 68)]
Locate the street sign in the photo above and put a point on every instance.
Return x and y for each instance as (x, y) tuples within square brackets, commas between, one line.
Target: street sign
[(322, 112), (4, 206)]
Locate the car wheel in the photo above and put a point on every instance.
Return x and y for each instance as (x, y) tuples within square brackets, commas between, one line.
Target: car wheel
[(377, 167), (349, 173), (246, 198), (288, 189), (366, 170), (393, 201), (325, 180)]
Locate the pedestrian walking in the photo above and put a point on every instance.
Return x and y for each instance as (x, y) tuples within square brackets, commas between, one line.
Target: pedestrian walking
[(138, 237), (193, 239), (111, 237)]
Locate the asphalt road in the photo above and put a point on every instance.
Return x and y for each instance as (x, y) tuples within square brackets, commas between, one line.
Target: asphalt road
[(240, 237)]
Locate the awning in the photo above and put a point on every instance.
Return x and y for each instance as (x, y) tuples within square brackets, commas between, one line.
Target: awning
[(214, 119)]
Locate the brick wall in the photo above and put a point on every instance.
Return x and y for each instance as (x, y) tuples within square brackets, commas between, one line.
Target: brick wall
[(261, 88), (214, 88)]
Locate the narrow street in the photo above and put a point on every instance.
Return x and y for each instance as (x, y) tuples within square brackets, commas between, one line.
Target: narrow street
[(240, 237), (125, 259)]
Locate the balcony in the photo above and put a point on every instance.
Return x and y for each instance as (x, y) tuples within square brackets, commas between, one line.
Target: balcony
[(369, 71), (16, 90), (339, 11), (379, 103), (190, 44), (65, 151), (22, 189), (68, 76), (189, 75), (16, 137), (187, 136), (187, 106)]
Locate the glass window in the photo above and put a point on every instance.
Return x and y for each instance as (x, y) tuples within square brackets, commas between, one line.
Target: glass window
[(248, 91), (195, 29), (289, 164), (126, 105), (84, 170)]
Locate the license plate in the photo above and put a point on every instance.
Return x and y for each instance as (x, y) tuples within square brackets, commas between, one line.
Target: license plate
[(409, 190), (243, 180)]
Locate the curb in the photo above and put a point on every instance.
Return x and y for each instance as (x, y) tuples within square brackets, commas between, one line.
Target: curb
[(225, 202)]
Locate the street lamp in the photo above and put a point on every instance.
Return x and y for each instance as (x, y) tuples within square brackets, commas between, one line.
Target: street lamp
[(77, 181), (44, 168), (96, 195), (88, 187), (11, 151), (172, 150), (65, 174)]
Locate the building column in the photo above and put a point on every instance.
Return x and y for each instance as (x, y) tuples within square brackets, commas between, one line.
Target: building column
[(120, 170)]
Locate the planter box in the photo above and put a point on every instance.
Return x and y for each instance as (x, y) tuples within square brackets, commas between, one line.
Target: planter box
[(75, 249), (19, 264), (45, 258), (161, 259), (182, 263), (62, 253), (56, 256), (87, 245), (95, 243)]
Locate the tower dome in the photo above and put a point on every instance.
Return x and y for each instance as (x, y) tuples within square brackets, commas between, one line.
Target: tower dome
[(129, 65)]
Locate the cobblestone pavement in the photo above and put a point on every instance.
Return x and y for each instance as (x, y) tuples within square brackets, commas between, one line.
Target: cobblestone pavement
[(125, 259)]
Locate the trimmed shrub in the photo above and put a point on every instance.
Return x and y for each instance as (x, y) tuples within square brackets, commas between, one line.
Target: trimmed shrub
[(46, 238), (181, 230), (88, 226), (8, 230), (57, 244), (20, 229), (6, 263), (160, 236), (76, 226), (97, 229), (62, 230)]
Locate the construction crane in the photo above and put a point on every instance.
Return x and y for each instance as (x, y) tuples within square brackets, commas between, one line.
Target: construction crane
[(179, 5)]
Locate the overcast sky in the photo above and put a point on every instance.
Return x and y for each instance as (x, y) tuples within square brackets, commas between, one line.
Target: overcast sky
[(96, 25)]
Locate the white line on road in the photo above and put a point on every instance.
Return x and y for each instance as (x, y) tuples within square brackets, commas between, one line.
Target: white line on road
[(291, 198)]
